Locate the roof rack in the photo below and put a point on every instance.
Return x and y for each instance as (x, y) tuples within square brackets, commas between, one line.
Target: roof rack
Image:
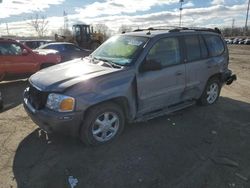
[(151, 29), (179, 29), (215, 30)]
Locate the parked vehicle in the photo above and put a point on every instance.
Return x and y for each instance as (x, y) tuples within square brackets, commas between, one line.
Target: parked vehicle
[(84, 36), (68, 51), (241, 41), (33, 44), (131, 77), (236, 41), (19, 60), (229, 41), (247, 42)]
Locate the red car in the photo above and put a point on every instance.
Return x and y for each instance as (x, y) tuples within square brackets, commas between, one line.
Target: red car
[(19, 60)]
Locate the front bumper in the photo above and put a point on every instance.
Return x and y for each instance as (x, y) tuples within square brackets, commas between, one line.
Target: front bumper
[(229, 77), (55, 122)]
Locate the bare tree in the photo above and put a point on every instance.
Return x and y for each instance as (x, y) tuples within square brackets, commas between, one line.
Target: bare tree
[(236, 31), (101, 28), (124, 28), (39, 23), (64, 31)]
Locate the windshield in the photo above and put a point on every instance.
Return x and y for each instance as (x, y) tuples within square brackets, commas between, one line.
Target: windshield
[(120, 49)]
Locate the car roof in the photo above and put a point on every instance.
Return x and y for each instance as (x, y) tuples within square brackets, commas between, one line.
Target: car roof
[(57, 43), (53, 43), (7, 39), (151, 32)]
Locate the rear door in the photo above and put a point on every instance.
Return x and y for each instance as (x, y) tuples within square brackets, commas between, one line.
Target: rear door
[(197, 65), (203, 59), (162, 88), (15, 62)]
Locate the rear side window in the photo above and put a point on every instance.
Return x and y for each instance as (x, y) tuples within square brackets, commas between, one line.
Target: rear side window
[(10, 49), (72, 48), (204, 52), (192, 48), (214, 44), (59, 48)]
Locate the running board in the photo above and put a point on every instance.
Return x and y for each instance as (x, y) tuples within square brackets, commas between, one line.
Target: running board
[(164, 111)]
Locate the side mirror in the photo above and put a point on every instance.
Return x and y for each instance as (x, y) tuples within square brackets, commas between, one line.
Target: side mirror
[(150, 65), (25, 52)]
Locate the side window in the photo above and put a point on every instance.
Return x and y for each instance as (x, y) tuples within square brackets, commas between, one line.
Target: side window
[(10, 49), (72, 48), (59, 48), (165, 51), (204, 52), (2, 48), (214, 44), (192, 48)]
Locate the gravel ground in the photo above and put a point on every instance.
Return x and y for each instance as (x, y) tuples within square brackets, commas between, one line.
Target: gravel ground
[(198, 147)]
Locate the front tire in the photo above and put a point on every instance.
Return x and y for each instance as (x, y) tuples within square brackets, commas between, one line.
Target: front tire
[(211, 92), (103, 123)]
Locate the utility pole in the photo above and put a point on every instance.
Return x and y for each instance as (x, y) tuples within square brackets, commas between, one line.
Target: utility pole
[(65, 16), (247, 17), (232, 26), (7, 28), (181, 1)]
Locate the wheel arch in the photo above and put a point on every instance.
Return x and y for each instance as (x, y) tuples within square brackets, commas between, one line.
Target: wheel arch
[(121, 101), (219, 76)]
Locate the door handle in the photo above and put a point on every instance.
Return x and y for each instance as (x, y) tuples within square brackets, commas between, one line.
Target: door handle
[(178, 73)]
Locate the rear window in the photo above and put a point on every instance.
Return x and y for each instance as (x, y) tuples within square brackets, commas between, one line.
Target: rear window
[(214, 44)]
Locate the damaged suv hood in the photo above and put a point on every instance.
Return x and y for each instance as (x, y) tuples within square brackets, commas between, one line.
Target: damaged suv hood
[(62, 76)]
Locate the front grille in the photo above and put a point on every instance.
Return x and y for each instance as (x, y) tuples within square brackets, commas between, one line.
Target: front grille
[(37, 98)]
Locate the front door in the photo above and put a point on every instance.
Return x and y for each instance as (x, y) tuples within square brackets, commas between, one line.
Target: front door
[(15, 62), (164, 87)]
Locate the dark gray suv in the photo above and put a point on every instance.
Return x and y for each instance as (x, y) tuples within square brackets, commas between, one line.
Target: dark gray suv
[(131, 77)]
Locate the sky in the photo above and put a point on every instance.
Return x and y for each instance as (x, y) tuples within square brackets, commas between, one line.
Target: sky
[(15, 14)]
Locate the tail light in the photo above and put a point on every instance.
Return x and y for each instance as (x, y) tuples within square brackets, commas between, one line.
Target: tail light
[(58, 59)]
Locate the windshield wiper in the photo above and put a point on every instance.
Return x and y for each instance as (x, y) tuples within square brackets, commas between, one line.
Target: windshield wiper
[(108, 62)]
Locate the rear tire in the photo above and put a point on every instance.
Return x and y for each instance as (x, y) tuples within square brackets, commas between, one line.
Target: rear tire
[(103, 123), (211, 92)]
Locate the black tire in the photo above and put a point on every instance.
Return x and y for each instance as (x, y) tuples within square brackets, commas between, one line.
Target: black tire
[(204, 99), (1, 105), (90, 124)]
